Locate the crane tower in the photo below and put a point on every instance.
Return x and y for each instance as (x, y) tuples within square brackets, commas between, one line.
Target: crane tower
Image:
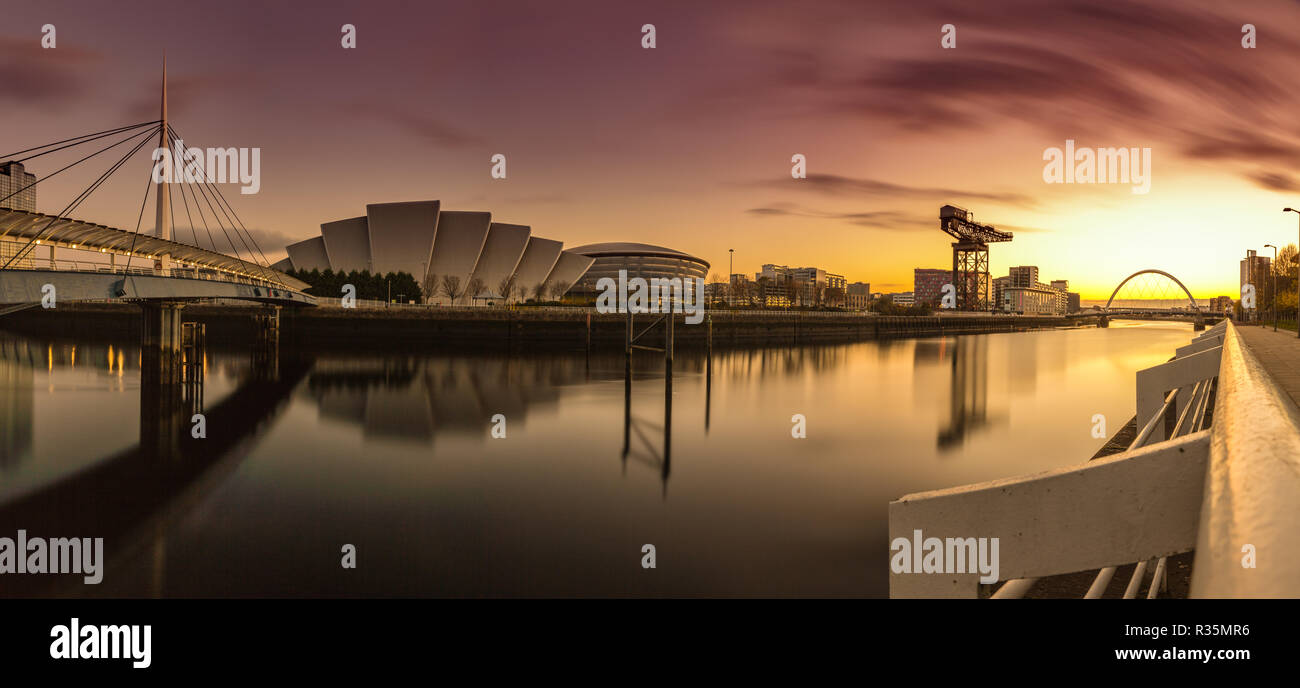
[(970, 255)]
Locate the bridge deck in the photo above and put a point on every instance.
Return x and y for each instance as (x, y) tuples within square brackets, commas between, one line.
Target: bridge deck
[(1279, 353)]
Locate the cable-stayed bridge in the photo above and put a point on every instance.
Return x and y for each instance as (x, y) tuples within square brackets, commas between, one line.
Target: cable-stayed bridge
[(161, 272)]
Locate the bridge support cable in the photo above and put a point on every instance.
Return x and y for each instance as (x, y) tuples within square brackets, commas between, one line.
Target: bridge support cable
[(208, 186), (236, 222), (199, 209), (84, 138), (78, 162), (26, 249), (207, 199)]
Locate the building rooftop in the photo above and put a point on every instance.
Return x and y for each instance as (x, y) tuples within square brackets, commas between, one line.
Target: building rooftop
[(625, 248)]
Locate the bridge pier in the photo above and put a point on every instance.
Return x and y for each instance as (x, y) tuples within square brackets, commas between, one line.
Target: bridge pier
[(266, 344), (1103, 321), (160, 343)]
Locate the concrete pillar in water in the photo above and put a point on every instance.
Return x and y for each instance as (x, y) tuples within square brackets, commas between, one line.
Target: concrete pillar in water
[(266, 344), (162, 413), (160, 342)]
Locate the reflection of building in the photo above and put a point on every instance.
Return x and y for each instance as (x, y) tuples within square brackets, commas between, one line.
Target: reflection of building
[(640, 260), (927, 284), (16, 399), (968, 392), (465, 253)]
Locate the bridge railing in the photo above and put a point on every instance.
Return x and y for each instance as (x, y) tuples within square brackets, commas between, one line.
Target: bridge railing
[(1141, 505), (144, 269)]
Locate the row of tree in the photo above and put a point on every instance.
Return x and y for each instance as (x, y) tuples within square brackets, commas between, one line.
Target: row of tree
[(401, 286), (328, 283)]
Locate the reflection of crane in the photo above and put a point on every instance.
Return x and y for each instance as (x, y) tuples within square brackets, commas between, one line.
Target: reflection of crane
[(970, 256)]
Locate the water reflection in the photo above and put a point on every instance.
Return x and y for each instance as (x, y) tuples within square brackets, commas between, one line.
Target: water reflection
[(118, 495), (393, 453)]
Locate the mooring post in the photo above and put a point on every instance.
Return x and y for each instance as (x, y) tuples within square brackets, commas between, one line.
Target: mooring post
[(668, 392), (627, 388)]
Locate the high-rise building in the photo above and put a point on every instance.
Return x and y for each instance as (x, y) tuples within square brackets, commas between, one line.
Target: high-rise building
[(1255, 271), (927, 284), (13, 178), (1073, 304), (13, 195), (1024, 276), (997, 286)]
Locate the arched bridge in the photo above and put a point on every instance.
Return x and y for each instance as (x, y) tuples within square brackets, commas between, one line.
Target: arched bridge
[(1192, 312)]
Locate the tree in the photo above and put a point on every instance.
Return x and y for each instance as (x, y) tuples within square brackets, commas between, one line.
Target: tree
[(558, 289), (451, 287), (539, 290), (476, 288), (505, 286)]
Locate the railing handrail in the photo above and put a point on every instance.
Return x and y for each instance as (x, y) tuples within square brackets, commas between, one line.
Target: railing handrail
[(1252, 484)]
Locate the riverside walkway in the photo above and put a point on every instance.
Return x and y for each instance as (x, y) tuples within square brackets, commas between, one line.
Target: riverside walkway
[(1208, 483), (1279, 354)]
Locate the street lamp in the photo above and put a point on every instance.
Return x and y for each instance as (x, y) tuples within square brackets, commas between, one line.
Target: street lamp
[(1274, 284), (1297, 282), (731, 268)]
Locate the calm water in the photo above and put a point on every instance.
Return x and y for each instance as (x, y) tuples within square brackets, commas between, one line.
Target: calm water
[(393, 454)]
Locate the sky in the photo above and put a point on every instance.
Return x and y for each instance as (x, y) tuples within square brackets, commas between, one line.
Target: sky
[(689, 144)]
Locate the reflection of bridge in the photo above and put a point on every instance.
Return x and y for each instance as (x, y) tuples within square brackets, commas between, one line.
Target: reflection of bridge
[(124, 496), (166, 275)]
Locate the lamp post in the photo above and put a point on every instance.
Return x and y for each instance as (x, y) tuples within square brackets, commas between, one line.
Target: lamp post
[(1297, 282), (1274, 284), (731, 268)]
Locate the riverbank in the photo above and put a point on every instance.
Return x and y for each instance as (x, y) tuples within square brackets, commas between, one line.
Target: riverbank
[(545, 328)]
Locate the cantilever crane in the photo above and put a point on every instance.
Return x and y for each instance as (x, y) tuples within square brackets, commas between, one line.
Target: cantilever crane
[(970, 255)]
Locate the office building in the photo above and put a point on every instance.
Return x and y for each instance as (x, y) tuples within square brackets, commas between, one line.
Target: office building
[(927, 284)]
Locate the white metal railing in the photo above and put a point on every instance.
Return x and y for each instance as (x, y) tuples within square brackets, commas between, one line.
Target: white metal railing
[(1141, 505), (207, 274), (1251, 485)]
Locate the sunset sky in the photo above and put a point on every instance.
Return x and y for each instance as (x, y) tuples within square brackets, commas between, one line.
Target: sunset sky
[(688, 145)]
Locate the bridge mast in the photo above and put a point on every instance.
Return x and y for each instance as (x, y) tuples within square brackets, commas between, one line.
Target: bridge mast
[(163, 224)]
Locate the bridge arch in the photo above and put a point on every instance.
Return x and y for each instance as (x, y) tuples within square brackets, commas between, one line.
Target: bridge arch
[(1191, 300)]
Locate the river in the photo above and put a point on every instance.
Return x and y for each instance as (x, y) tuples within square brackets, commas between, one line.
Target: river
[(394, 454)]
